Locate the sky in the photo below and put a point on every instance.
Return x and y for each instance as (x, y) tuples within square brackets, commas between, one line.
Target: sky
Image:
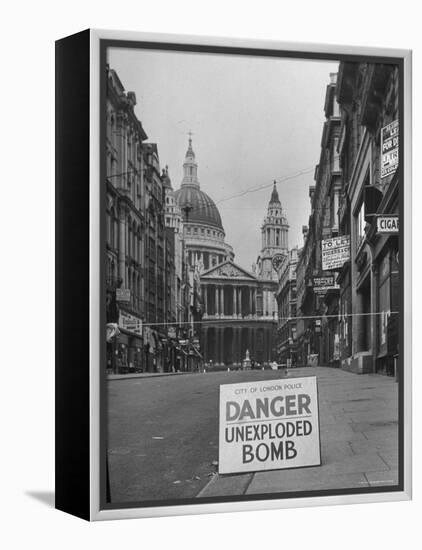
[(254, 120)]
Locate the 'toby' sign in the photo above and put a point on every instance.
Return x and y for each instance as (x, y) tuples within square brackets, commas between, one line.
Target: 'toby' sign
[(269, 425)]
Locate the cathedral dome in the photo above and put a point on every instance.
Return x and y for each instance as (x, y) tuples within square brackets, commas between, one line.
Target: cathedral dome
[(203, 209)]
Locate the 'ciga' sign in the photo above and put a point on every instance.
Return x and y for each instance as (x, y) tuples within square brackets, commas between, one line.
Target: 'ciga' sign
[(388, 224), (269, 425)]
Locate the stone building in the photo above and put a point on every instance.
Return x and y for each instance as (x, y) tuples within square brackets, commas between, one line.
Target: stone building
[(149, 288), (125, 226), (239, 307), (348, 298), (368, 148), (275, 239), (203, 231), (287, 310), (174, 230), (318, 293)]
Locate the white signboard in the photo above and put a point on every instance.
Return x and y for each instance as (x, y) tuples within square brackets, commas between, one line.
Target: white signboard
[(123, 294), (322, 285), (335, 252), (389, 148), (130, 322), (269, 425), (388, 224)]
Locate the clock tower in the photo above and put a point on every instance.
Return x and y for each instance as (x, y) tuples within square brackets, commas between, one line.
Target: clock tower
[(274, 231)]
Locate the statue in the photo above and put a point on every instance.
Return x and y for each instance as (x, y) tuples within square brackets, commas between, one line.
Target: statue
[(246, 363)]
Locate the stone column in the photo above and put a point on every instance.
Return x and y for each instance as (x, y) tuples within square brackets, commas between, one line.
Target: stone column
[(206, 300), (240, 302), (222, 300), (250, 300), (216, 301), (234, 302)]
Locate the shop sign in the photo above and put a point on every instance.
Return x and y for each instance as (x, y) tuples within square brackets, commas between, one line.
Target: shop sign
[(269, 425), (322, 284), (130, 322), (123, 294), (389, 148), (388, 224), (335, 252)]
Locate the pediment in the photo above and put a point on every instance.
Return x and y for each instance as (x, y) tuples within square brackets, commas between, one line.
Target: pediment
[(228, 270)]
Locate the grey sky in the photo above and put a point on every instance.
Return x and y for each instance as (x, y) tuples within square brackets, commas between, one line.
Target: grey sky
[(253, 119)]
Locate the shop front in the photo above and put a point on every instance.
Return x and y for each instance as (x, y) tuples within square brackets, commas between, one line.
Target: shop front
[(387, 320)]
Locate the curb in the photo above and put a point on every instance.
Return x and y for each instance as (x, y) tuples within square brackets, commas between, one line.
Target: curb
[(112, 377), (228, 485)]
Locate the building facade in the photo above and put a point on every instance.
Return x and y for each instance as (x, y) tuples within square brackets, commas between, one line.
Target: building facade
[(152, 294), (317, 290), (348, 270), (240, 309), (125, 226), (368, 150), (287, 310)]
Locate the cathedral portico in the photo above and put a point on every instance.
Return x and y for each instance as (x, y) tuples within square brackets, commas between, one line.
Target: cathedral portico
[(231, 322)]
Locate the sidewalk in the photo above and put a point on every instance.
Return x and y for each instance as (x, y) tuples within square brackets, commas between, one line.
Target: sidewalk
[(359, 440)]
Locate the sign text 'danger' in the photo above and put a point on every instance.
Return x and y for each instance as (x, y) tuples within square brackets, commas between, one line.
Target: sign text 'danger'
[(269, 425)]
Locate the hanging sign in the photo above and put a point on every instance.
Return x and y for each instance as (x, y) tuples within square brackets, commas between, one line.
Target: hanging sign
[(335, 252), (322, 284), (388, 224), (130, 322), (269, 425), (123, 294), (389, 148)]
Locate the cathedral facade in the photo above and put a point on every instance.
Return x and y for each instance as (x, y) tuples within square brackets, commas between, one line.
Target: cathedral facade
[(239, 307)]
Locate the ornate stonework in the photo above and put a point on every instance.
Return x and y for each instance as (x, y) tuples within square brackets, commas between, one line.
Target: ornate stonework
[(228, 271)]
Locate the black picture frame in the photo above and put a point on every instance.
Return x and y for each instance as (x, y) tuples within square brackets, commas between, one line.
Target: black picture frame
[(82, 486)]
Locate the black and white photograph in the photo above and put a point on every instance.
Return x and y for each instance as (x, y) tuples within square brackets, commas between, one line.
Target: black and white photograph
[(252, 283)]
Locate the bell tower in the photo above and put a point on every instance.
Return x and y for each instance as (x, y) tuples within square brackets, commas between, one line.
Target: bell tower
[(274, 235), (190, 167)]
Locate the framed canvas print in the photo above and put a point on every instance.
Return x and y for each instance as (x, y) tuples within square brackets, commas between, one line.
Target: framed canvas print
[(233, 275)]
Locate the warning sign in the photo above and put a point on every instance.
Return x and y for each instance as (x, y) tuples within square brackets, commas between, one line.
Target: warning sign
[(335, 252), (269, 425), (389, 148)]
